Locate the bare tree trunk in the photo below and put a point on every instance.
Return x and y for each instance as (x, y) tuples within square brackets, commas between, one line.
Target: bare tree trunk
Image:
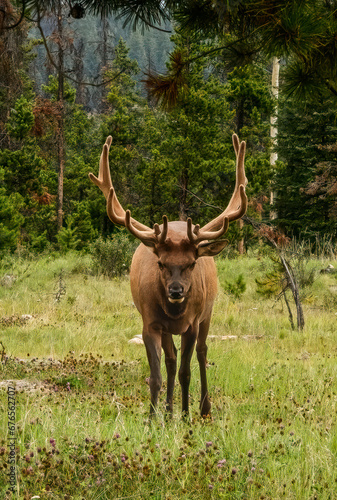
[(60, 131), (294, 290), (241, 242), (273, 123), (289, 274), (78, 51)]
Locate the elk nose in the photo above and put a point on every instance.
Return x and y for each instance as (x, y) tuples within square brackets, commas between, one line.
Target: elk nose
[(175, 290)]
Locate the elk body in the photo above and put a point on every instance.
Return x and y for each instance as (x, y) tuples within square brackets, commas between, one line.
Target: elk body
[(174, 282)]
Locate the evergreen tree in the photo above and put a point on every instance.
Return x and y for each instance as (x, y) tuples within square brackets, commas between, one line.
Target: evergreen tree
[(306, 177)]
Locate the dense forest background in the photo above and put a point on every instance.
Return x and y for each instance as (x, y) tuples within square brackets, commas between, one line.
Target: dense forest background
[(67, 83)]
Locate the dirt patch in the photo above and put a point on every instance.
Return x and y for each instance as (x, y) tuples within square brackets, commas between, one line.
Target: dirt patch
[(23, 385)]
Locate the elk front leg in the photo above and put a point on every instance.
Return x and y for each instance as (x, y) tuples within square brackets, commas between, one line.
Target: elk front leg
[(187, 345), (205, 405), (152, 341), (171, 368)]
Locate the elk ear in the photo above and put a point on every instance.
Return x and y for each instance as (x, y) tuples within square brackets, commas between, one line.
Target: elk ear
[(151, 246), (211, 248)]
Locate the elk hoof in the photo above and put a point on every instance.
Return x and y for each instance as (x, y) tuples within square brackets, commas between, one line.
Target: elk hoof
[(205, 409)]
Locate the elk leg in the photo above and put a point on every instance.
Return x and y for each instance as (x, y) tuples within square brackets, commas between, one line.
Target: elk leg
[(152, 343), (171, 368), (187, 345), (205, 405)]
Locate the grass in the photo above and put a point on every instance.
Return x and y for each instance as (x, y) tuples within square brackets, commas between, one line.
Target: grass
[(82, 399)]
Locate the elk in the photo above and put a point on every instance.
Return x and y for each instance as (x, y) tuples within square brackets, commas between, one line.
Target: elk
[(174, 282)]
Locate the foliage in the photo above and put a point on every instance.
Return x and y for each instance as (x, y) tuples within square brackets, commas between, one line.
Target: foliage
[(66, 238), (10, 220), (305, 179), (112, 256), (21, 119), (178, 162), (236, 288), (69, 93)]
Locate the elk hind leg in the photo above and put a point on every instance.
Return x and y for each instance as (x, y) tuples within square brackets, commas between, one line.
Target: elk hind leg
[(187, 345), (201, 348), (171, 368)]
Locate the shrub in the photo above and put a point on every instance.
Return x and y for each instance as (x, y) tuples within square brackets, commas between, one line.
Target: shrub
[(236, 288), (112, 256)]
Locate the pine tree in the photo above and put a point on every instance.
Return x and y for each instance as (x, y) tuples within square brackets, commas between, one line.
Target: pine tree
[(305, 178)]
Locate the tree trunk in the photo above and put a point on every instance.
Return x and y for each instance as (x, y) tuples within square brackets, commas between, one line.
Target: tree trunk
[(60, 131), (241, 242), (273, 124), (183, 196)]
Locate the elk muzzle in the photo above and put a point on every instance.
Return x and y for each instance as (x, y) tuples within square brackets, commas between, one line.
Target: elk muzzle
[(176, 293)]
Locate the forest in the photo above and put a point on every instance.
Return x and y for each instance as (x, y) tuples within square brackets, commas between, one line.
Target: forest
[(171, 100)]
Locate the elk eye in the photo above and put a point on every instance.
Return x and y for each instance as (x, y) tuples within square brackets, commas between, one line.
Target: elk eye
[(160, 265)]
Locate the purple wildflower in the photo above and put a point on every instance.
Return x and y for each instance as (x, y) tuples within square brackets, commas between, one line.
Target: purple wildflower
[(221, 463)]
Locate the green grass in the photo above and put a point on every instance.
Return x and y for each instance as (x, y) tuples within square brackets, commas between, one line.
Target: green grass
[(84, 432)]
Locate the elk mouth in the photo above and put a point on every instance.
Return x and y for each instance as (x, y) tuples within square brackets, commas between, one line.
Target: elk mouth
[(176, 301)]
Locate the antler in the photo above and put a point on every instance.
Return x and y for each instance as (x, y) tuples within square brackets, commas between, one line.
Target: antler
[(116, 212), (196, 235), (238, 204)]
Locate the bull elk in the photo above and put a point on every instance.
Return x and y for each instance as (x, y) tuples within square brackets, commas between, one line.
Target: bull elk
[(174, 281)]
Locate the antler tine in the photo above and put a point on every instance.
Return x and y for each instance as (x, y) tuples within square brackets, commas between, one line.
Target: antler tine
[(236, 143), (163, 234), (238, 203), (197, 235), (240, 166), (115, 210), (148, 236), (104, 178)]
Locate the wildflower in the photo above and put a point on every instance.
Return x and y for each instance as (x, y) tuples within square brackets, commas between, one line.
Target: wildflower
[(209, 444), (52, 442), (221, 463), (117, 435), (210, 486), (250, 453), (234, 471)]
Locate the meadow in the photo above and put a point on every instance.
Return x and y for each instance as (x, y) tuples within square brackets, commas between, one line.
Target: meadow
[(82, 399)]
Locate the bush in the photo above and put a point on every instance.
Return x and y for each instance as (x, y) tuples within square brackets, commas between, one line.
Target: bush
[(236, 288), (112, 256)]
